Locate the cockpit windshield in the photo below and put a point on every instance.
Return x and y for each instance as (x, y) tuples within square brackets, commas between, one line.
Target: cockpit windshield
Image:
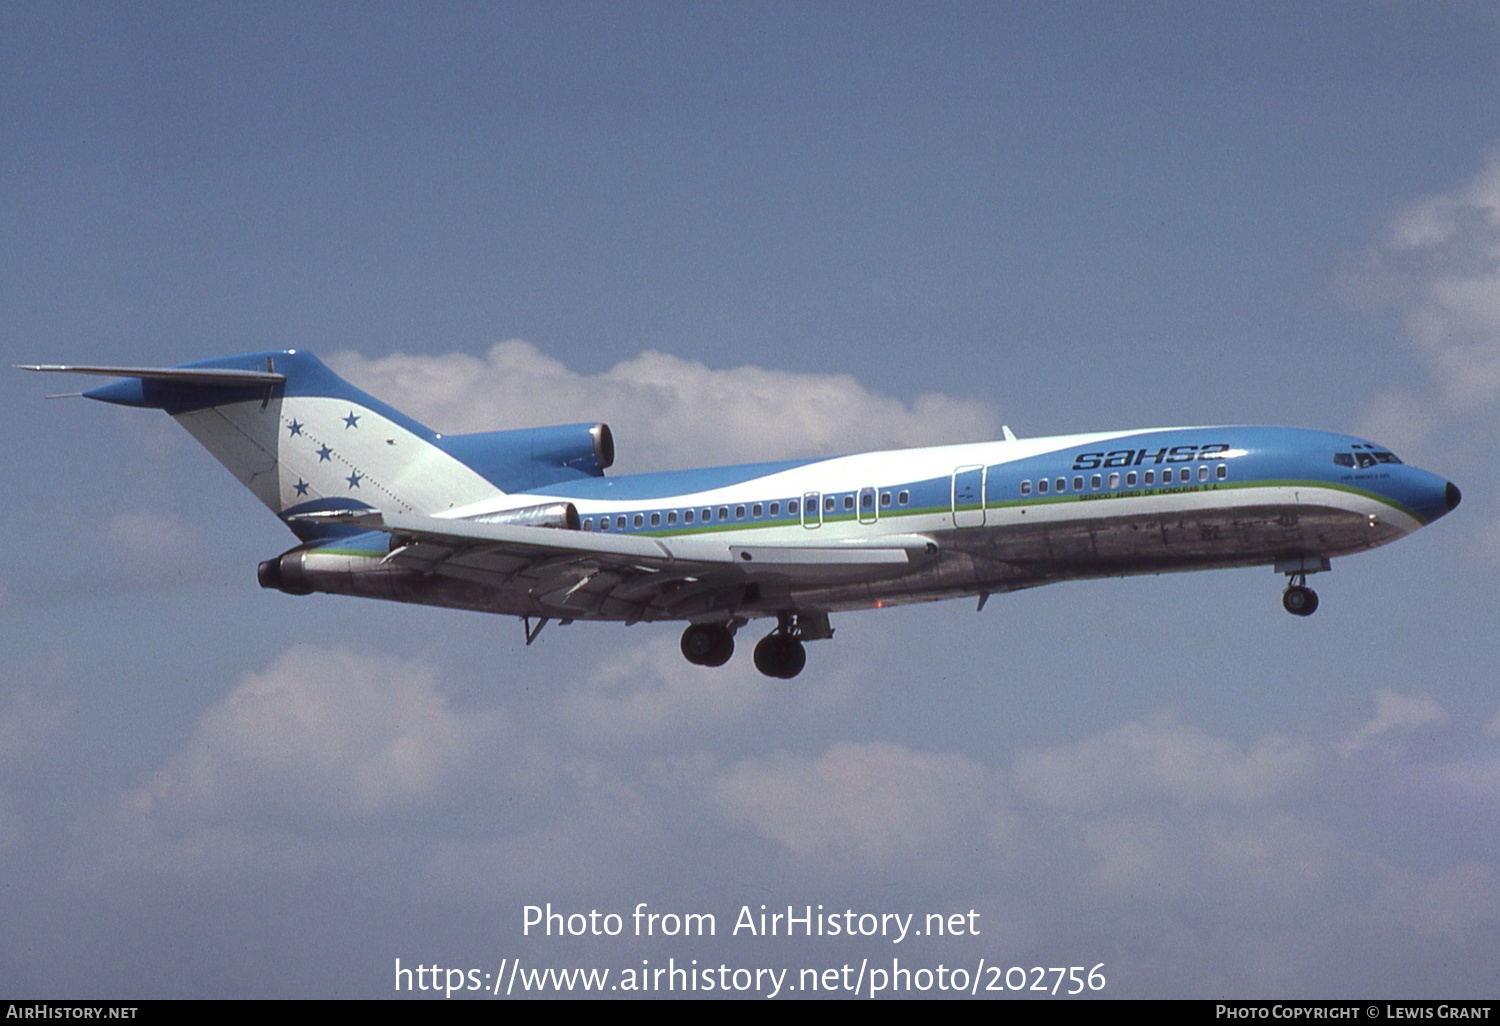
[(1364, 458)]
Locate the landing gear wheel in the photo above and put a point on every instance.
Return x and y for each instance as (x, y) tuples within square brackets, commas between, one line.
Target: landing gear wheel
[(780, 655), (707, 644), (1299, 600)]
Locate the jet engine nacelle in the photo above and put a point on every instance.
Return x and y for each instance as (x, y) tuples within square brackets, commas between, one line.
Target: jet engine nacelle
[(284, 573), (535, 457), (290, 572)]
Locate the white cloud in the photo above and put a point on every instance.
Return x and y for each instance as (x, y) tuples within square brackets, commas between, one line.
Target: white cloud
[(1166, 809), (666, 412), (1174, 853), (873, 803), (319, 733), (1440, 266), (650, 691), (1395, 715), (150, 542), (1161, 760)]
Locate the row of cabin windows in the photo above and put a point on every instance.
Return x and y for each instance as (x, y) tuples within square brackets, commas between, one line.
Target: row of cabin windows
[(1132, 478), (669, 518)]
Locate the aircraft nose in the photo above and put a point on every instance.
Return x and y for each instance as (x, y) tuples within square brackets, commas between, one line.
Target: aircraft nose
[(1435, 497)]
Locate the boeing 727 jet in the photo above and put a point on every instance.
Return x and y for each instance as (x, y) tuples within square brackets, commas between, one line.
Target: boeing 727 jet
[(525, 523)]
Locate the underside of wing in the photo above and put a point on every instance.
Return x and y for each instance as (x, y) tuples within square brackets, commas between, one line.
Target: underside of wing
[(569, 574)]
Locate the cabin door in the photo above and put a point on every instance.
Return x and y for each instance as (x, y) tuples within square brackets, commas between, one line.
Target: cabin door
[(968, 497)]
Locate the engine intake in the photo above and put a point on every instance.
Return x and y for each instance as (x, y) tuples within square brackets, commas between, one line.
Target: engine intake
[(284, 573)]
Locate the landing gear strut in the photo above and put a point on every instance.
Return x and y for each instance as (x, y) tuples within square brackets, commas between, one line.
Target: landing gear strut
[(1299, 599), (708, 644)]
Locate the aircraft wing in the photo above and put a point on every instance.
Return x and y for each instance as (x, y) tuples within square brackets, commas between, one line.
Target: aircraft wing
[(633, 577)]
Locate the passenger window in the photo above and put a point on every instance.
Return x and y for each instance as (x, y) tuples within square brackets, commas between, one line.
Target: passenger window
[(639, 520), (867, 501), (706, 515), (588, 523), (619, 523), (1221, 471), (656, 520), (687, 516), (1130, 480), (828, 504), (775, 509), (739, 512), (671, 518), (848, 502), (1202, 473), (885, 499), (1150, 477), (1041, 486), (1025, 487), (1061, 485), (755, 510), (791, 507), (1114, 480), (723, 512), (903, 497), (1078, 484), (1095, 481), (604, 523)]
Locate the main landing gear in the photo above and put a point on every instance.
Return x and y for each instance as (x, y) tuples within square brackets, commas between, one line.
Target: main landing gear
[(779, 654), (708, 644)]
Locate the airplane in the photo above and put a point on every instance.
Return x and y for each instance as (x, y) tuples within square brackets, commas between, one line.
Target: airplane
[(525, 523)]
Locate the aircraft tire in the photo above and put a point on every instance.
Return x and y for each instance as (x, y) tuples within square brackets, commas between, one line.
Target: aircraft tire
[(707, 644), (780, 656), (1299, 600)]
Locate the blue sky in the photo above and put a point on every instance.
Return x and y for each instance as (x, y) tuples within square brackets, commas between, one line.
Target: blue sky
[(699, 222)]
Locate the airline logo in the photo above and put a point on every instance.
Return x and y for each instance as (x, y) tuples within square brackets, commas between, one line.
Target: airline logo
[(1140, 457)]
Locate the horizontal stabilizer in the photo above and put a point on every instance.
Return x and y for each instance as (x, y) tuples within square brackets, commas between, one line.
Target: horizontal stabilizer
[(185, 375)]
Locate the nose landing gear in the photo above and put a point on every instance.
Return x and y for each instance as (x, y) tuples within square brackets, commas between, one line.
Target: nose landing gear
[(1299, 599)]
